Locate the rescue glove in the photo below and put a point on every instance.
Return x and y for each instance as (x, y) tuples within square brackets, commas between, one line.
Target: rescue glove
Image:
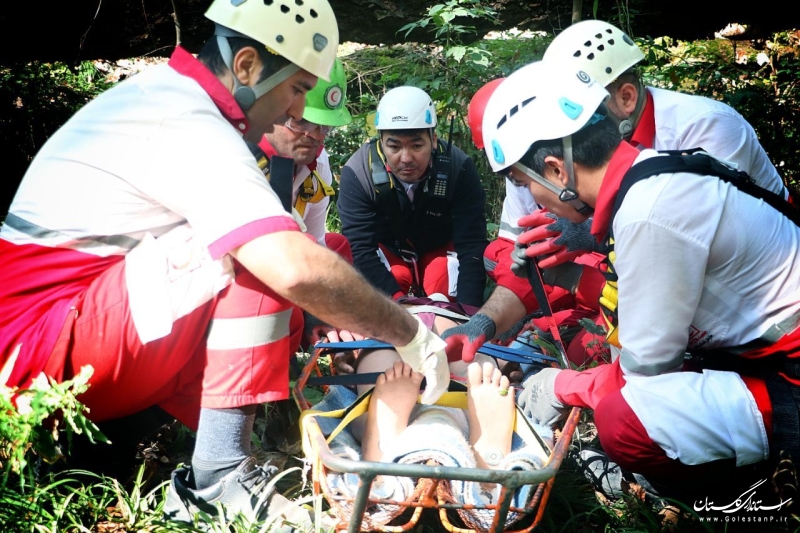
[(565, 275), (538, 399), (425, 354), (555, 240), (464, 340)]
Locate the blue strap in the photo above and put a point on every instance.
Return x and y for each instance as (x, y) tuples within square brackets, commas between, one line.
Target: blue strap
[(512, 355)]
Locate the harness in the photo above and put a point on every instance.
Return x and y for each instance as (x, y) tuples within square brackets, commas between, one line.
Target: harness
[(438, 188), (695, 161), (312, 191)]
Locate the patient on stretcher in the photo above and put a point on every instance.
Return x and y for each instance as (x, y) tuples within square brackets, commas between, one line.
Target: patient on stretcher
[(397, 429)]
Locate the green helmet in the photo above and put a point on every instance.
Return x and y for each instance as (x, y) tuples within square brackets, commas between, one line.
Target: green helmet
[(325, 103)]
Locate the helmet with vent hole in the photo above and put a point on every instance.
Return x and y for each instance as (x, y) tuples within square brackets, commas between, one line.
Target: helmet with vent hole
[(303, 31), (540, 101), (601, 50)]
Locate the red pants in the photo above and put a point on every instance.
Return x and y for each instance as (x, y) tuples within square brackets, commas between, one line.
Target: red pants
[(431, 269), (231, 352), (622, 434)]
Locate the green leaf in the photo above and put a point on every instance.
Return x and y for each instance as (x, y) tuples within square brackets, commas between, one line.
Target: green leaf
[(456, 52)]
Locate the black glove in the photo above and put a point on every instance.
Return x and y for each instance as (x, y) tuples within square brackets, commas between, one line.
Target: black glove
[(464, 340)]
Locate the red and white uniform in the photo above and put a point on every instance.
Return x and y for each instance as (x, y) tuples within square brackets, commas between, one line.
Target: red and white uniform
[(139, 198), (700, 264), (670, 121), (676, 121)]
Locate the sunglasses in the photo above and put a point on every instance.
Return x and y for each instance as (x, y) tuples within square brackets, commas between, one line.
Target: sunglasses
[(305, 127)]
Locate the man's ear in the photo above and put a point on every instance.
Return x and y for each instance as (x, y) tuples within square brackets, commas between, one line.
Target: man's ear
[(555, 170), (247, 66), (625, 97)]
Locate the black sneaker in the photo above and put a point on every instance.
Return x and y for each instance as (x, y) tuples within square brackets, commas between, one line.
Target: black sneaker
[(246, 491), (607, 477)]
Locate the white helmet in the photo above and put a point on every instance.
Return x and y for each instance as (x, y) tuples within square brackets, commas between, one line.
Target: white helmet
[(304, 31), (405, 108), (601, 50), (538, 102), (541, 101)]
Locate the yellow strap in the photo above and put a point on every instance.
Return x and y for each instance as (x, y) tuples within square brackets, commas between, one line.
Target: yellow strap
[(458, 400), (310, 195)]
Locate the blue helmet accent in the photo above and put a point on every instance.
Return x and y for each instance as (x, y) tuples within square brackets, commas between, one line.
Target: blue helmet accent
[(497, 152), (377, 114), (570, 108), (428, 117)]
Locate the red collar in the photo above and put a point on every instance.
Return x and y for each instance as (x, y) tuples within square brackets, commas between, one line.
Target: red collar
[(644, 136), (267, 148), (185, 63), (621, 161)]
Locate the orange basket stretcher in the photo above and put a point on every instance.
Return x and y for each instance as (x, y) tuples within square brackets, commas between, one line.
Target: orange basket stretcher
[(431, 490)]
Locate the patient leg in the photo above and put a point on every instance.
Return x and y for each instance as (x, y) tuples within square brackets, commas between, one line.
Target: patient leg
[(491, 414), (394, 397)]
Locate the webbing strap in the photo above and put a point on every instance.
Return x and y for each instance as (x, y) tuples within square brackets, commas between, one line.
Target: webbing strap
[(308, 195), (493, 350), (454, 399), (702, 164), (386, 196), (537, 284), (785, 399)]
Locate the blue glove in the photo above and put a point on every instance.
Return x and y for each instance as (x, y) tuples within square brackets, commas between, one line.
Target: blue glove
[(464, 340)]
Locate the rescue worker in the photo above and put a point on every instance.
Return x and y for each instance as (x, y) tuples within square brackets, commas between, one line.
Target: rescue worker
[(497, 258), (700, 264), (144, 241), (312, 176), (303, 140), (412, 206), (647, 117)]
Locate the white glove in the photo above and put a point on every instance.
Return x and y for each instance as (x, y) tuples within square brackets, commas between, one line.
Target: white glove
[(425, 354)]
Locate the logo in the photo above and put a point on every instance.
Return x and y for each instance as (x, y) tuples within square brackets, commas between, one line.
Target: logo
[(399, 118), (583, 77), (746, 507), (333, 97)]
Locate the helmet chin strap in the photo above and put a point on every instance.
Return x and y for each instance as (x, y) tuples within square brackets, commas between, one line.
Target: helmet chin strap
[(626, 126), (246, 96), (565, 195), (569, 194)]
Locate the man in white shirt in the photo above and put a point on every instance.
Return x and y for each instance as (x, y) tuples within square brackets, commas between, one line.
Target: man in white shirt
[(647, 118), (700, 265), (173, 272)]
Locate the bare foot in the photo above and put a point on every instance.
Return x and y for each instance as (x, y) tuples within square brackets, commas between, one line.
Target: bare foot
[(491, 414), (392, 400)]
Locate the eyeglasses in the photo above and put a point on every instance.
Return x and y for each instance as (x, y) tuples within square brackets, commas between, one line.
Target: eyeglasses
[(305, 127)]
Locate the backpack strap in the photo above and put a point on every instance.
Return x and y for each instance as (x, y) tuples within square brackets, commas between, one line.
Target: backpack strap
[(386, 195), (697, 162), (279, 168)]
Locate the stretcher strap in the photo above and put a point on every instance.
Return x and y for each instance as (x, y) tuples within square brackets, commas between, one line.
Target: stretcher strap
[(494, 350), (455, 399)]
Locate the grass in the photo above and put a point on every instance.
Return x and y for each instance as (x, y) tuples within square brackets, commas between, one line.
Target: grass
[(48, 500)]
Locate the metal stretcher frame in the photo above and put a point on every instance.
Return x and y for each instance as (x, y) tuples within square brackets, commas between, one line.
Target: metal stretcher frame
[(368, 470)]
